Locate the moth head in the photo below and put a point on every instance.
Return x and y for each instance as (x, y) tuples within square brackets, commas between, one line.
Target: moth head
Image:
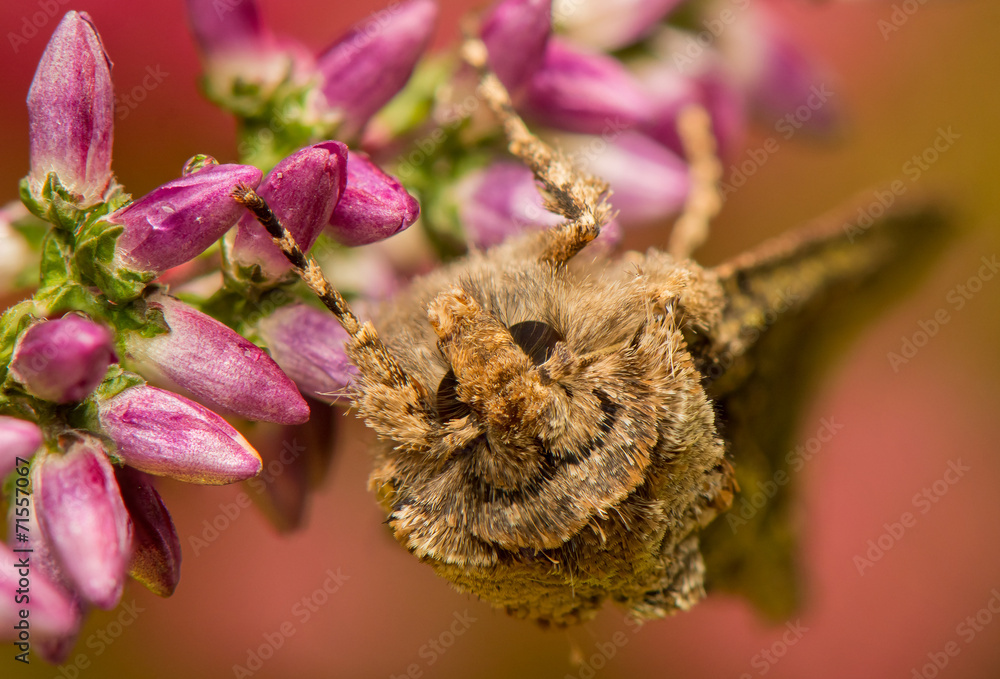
[(552, 395)]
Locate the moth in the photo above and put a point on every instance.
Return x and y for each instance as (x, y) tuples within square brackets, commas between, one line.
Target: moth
[(560, 428)]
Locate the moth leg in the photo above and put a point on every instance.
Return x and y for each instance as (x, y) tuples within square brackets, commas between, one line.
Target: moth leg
[(390, 400), (703, 200), (566, 190)]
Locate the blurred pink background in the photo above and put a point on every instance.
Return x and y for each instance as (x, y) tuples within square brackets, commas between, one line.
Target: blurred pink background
[(900, 429)]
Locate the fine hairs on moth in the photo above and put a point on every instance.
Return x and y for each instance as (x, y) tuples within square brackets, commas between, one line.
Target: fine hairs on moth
[(558, 430)]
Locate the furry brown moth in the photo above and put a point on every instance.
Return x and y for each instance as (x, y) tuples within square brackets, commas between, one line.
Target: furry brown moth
[(559, 428)]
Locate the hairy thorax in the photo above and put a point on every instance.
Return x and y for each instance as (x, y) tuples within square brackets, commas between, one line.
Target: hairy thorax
[(559, 449)]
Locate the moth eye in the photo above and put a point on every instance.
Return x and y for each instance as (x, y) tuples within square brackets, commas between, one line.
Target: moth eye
[(536, 339), (448, 406)]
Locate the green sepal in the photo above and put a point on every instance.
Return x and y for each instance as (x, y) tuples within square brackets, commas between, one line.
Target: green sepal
[(55, 267), (13, 322), (95, 257), (242, 310), (116, 380), (59, 287), (55, 204)]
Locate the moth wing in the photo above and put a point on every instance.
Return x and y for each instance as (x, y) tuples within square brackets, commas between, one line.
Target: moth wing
[(791, 304)]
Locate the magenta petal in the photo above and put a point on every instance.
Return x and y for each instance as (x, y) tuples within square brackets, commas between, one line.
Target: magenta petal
[(302, 190), (221, 27), (586, 92), (180, 219), (52, 612), (71, 111), (308, 344), (63, 360), (374, 205), (282, 490), (80, 510), (782, 84), (162, 433), (515, 33), (708, 86), (218, 365), (500, 201), (18, 439), (648, 181), (608, 25), (368, 65), (156, 556)]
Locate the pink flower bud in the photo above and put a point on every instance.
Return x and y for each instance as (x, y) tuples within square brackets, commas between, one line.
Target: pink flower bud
[(706, 83), (282, 491), (18, 439), (648, 181), (81, 513), (302, 190), (608, 25), (62, 360), (308, 344), (52, 611), (15, 253), (162, 433), (515, 33), (71, 111), (367, 66), (156, 554), (374, 205), (216, 364), (225, 27), (782, 84), (499, 201), (179, 220), (582, 91)]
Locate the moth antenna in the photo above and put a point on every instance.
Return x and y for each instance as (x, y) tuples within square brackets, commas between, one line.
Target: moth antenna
[(363, 335), (568, 191), (704, 200)]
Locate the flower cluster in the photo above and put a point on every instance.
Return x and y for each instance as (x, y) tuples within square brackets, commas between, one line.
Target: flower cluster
[(158, 320), (606, 80), (76, 357)]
